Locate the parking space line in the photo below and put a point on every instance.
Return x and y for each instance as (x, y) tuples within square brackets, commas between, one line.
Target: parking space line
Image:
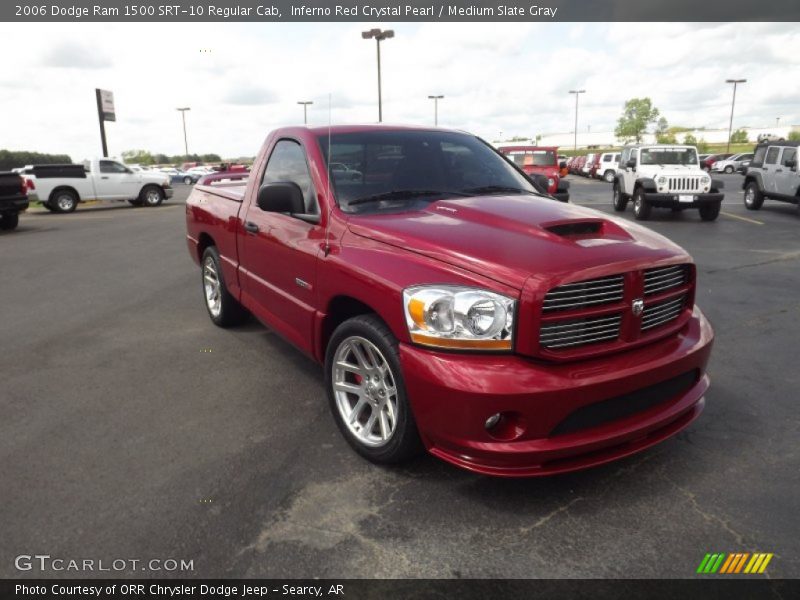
[(733, 216)]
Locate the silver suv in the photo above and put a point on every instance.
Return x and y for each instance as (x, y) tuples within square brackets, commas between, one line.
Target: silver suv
[(772, 174)]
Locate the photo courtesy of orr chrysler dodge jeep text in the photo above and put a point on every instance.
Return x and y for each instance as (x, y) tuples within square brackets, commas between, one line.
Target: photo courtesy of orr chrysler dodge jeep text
[(454, 307)]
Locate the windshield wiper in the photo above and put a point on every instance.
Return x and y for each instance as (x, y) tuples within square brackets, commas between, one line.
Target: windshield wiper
[(491, 189), (404, 195)]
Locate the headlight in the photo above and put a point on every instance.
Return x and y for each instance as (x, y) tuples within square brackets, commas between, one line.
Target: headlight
[(550, 182), (705, 180), (448, 316), (662, 180)]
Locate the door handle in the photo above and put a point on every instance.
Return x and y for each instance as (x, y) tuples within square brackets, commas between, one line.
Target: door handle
[(251, 227), (104, 177), (779, 170)]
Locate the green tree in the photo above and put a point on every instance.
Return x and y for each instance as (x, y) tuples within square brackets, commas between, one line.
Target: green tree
[(689, 140), (636, 116), (12, 159), (141, 157), (794, 136), (739, 137)]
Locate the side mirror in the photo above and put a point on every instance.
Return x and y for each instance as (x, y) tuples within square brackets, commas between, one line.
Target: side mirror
[(631, 164), (539, 182), (792, 164), (281, 197), (562, 164)]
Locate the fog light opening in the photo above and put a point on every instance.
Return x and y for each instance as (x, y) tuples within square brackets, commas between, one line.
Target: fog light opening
[(505, 426)]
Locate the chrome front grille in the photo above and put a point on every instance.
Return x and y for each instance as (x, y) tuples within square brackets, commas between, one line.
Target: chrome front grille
[(684, 184), (662, 313), (662, 279), (592, 292), (578, 332)]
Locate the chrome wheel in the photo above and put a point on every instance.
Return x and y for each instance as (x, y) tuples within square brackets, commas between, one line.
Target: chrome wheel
[(609, 177), (749, 196), (65, 202), (365, 391), (212, 287), (152, 197)]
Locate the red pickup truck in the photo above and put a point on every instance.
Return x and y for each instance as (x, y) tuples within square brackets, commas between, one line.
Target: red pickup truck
[(453, 306)]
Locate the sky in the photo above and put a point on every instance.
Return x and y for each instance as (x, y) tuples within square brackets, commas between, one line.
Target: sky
[(242, 80)]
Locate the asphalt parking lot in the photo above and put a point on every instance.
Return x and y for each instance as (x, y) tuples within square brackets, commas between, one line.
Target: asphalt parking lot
[(131, 427)]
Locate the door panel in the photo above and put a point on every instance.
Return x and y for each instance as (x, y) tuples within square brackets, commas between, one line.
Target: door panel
[(786, 180), (114, 182)]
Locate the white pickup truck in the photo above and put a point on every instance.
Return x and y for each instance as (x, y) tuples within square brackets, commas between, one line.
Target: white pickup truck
[(61, 187)]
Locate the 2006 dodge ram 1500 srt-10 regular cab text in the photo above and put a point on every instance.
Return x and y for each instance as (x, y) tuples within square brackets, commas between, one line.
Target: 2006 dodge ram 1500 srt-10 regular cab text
[(454, 307)]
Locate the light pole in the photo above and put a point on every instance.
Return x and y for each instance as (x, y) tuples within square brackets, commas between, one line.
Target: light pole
[(379, 37), (735, 82), (435, 108), (777, 121), (577, 93), (305, 104), (183, 117)]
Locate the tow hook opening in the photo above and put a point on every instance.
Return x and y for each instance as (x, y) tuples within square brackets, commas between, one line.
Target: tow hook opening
[(505, 426)]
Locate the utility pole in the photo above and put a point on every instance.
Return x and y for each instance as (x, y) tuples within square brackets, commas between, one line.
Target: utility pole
[(305, 104), (735, 82), (185, 142), (379, 36), (577, 94), (435, 109)]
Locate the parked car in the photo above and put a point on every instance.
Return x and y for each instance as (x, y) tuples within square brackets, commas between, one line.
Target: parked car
[(772, 175), (13, 199), (702, 158), (709, 161), (607, 166), (61, 187), (219, 176), (577, 165), (540, 160), (743, 166), (178, 176), (586, 168), (768, 137), (474, 321), (731, 164), (665, 176)]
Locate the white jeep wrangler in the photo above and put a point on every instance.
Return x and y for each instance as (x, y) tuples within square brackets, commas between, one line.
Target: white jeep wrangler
[(665, 176)]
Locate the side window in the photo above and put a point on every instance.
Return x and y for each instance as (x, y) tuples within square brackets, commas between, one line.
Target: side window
[(788, 154), (772, 156), (624, 156), (109, 166), (288, 163)]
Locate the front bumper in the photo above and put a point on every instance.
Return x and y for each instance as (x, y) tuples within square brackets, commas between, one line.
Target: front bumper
[(452, 395), (168, 192), (673, 200)]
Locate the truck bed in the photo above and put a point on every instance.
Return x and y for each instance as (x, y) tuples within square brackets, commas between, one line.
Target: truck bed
[(230, 190)]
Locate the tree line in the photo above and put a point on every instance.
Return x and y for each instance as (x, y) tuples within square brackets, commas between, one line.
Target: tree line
[(143, 157), (12, 159)]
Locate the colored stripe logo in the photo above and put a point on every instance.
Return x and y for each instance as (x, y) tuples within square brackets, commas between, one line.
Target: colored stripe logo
[(736, 562)]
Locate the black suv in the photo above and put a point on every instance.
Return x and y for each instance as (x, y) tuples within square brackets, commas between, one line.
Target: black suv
[(772, 174)]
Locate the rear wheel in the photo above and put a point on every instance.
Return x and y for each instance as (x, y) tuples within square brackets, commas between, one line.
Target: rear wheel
[(222, 307), (710, 212), (753, 198), (9, 221), (641, 209), (135, 202), (609, 176), (729, 169), (152, 195), (366, 391), (64, 201), (620, 201), (187, 180)]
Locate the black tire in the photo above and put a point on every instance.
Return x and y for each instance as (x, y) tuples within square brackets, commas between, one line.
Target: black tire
[(404, 441), (753, 198), (151, 195), (230, 311), (729, 170), (710, 212), (9, 221), (135, 202), (641, 209), (63, 201), (187, 180), (48, 206), (619, 200)]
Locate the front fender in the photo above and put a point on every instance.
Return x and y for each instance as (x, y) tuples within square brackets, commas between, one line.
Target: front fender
[(647, 183), (754, 176)]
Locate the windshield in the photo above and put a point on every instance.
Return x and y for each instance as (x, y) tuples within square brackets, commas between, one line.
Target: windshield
[(669, 156), (533, 158), (398, 169)]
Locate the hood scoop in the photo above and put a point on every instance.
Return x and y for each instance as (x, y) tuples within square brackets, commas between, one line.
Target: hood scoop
[(587, 229)]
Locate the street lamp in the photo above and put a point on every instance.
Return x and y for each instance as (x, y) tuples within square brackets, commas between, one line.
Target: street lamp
[(735, 82), (183, 117), (777, 121), (435, 108), (577, 93), (305, 104), (379, 37)]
